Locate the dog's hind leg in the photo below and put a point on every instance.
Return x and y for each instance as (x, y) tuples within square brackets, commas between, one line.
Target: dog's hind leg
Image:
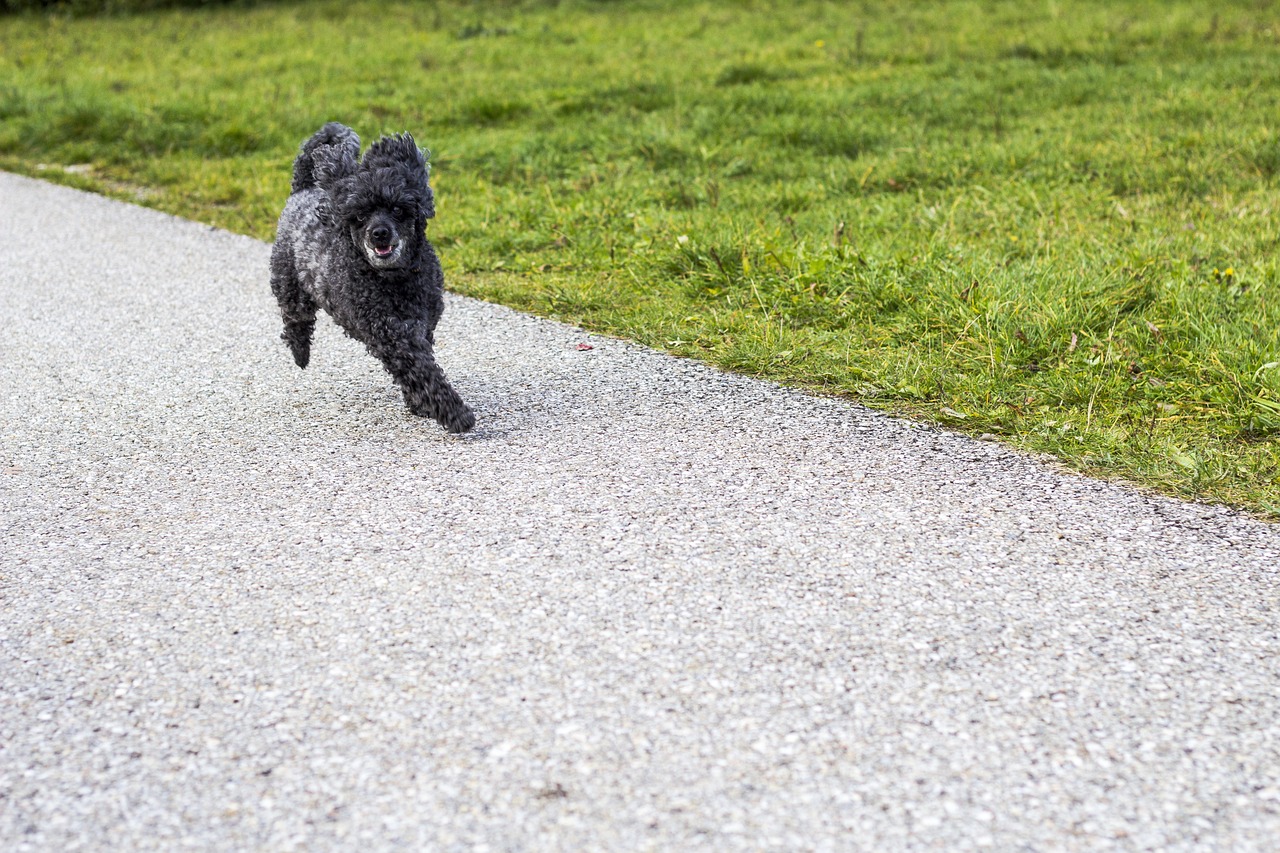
[(298, 328), (297, 309)]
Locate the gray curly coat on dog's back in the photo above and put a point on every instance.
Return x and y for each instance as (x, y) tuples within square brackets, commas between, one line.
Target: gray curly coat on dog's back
[(351, 241)]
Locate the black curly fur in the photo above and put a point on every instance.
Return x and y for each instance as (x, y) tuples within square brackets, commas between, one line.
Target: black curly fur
[(351, 241)]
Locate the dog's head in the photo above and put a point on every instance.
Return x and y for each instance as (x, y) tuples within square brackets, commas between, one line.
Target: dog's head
[(385, 202)]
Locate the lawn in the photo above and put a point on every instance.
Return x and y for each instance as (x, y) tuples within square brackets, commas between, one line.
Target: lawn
[(1049, 222)]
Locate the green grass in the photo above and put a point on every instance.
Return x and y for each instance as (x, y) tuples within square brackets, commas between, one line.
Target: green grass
[(1053, 222)]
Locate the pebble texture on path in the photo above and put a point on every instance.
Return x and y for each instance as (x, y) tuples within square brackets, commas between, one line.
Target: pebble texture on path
[(646, 605)]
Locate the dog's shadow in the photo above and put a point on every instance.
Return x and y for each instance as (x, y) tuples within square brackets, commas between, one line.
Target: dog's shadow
[(366, 404)]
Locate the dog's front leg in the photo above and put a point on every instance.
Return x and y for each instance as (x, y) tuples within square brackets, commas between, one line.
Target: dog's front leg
[(427, 392)]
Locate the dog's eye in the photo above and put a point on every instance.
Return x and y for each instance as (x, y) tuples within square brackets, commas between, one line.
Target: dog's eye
[(397, 211)]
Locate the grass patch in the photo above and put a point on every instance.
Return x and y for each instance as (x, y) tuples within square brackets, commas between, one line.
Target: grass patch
[(1053, 223)]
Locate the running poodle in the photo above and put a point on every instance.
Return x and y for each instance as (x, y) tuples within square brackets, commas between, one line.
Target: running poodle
[(351, 241)]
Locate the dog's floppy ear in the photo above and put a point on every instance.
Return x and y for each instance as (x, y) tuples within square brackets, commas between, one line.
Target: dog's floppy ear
[(333, 168), (427, 200), (338, 195)]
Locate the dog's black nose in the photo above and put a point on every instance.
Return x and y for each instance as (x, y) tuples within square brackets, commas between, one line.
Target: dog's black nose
[(380, 234)]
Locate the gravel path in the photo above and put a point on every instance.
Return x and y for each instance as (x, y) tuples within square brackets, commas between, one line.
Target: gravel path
[(646, 605)]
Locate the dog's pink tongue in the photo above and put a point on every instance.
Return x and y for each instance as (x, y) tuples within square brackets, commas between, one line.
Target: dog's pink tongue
[(382, 250)]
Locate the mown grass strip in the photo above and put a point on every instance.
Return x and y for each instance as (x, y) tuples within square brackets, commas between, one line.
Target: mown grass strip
[(1053, 223)]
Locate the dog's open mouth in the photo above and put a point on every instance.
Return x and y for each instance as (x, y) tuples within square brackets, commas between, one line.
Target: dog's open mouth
[(383, 254)]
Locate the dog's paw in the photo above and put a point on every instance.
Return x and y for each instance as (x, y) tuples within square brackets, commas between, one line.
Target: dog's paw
[(451, 413), (460, 421), (297, 336)]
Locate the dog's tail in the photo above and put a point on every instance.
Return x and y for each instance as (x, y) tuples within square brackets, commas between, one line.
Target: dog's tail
[(332, 152)]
